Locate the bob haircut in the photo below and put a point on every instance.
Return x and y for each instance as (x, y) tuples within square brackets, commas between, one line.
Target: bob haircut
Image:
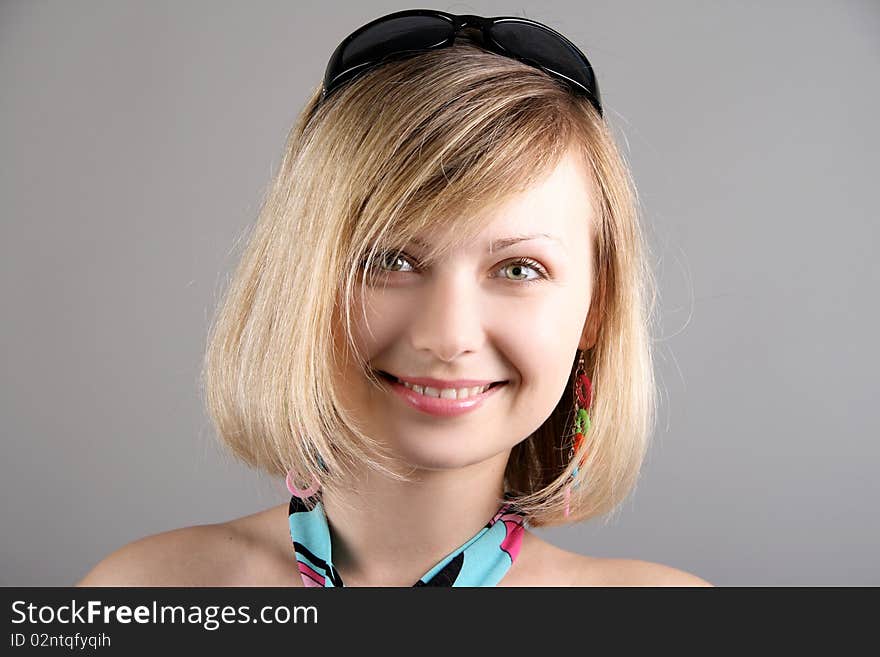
[(431, 142)]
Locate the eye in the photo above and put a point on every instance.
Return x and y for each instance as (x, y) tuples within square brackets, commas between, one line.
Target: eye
[(521, 264), (396, 261), (390, 261)]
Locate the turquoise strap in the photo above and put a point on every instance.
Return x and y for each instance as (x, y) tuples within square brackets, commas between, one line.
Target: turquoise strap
[(481, 561)]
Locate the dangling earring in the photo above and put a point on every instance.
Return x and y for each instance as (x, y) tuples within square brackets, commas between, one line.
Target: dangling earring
[(583, 399)]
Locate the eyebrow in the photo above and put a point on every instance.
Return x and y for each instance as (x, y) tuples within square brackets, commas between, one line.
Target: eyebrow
[(506, 242)]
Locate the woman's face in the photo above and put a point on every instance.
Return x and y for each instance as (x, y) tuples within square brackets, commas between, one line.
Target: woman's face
[(514, 313)]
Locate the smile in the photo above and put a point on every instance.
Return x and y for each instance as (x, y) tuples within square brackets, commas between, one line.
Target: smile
[(444, 402)]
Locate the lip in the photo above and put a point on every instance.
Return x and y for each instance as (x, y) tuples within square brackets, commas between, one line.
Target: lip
[(438, 406), (440, 383)]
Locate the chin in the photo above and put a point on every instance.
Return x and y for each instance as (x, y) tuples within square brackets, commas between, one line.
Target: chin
[(444, 454)]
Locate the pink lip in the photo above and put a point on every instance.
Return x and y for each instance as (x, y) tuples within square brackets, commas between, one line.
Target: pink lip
[(440, 384), (438, 406)]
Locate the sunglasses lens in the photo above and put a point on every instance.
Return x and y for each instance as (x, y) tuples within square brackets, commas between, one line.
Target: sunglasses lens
[(531, 42), (392, 36)]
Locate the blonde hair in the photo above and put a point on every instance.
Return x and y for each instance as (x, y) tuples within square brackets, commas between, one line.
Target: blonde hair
[(434, 141)]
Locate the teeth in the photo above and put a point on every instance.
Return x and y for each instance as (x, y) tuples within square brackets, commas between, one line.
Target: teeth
[(447, 393)]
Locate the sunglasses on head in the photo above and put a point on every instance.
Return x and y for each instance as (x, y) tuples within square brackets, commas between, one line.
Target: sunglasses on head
[(418, 30)]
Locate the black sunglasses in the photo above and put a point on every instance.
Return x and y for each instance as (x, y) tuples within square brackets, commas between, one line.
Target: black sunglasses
[(417, 30)]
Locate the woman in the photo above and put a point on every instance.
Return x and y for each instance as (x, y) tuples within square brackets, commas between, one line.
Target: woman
[(438, 331)]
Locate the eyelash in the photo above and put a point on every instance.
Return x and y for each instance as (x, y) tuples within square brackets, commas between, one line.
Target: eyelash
[(522, 261)]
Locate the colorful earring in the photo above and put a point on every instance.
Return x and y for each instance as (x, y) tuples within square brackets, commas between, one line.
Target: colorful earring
[(583, 388)]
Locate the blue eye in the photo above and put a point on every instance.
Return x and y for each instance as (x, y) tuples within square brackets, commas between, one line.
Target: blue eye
[(389, 262)]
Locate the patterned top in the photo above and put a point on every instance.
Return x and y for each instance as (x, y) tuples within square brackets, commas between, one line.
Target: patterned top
[(481, 561)]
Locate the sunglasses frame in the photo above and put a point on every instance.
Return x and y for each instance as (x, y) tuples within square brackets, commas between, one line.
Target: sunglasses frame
[(334, 78)]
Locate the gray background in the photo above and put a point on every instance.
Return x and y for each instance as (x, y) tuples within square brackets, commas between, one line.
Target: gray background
[(136, 141)]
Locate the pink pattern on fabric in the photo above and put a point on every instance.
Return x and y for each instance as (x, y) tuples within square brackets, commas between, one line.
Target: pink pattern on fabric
[(513, 525), (310, 576)]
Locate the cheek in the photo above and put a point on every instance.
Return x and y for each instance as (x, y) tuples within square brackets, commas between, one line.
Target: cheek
[(374, 323), (539, 338), (541, 346)]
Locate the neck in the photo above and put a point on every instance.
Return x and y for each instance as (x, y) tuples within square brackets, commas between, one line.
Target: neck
[(389, 533)]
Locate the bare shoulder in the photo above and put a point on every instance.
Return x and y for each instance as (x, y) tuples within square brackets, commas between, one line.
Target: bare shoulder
[(247, 551), (543, 564), (591, 571)]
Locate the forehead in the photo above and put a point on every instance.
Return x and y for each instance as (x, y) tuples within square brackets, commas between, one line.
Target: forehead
[(559, 205)]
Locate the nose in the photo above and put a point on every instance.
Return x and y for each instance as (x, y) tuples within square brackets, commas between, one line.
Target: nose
[(449, 321)]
